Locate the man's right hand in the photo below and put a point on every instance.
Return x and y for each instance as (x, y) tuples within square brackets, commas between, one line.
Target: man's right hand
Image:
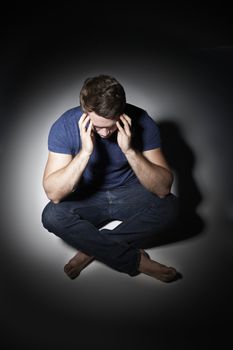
[(86, 134)]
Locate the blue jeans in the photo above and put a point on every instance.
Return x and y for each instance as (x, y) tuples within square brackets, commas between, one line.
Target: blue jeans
[(77, 220)]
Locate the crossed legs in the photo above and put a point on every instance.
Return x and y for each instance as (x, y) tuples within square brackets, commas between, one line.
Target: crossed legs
[(143, 214), (147, 266)]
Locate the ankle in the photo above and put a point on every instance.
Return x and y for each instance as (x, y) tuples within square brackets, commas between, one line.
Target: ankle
[(144, 262)]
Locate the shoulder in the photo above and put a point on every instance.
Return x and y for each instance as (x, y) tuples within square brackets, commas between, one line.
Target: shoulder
[(145, 131), (139, 116), (69, 117), (134, 111), (64, 134)]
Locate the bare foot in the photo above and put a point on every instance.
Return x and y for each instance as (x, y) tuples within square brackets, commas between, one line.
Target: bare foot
[(77, 264), (145, 253), (157, 270)]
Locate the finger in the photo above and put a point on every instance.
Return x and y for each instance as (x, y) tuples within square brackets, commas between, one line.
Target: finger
[(83, 116), (84, 123), (122, 131), (128, 119), (87, 122), (126, 126), (81, 120), (89, 129)]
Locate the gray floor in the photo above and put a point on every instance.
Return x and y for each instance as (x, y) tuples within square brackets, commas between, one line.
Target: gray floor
[(102, 304)]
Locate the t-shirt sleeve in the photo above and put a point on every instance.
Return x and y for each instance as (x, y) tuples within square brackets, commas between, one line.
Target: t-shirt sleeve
[(150, 135), (58, 140)]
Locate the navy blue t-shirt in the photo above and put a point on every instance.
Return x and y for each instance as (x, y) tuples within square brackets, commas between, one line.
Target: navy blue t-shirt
[(108, 166)]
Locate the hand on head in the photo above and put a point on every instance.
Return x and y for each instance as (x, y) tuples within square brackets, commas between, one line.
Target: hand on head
[(124, 133)]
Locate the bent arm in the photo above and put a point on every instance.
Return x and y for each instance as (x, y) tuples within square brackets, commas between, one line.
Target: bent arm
[(62, 174), (152, 170)]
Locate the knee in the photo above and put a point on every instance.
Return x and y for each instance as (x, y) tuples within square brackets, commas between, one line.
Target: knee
[(167, 210), (57, 216), (173, 208), (49, 217)]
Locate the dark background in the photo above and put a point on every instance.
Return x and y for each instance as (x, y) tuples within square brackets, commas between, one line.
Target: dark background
[(192, 45)]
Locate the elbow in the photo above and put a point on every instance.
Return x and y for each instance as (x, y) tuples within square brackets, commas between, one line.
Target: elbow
[(166, 189), (55, 201), (53, 198), (51, 195), (165, 192)]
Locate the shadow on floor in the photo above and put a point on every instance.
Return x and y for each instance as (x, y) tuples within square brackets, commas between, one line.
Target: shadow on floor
[(182, 160)]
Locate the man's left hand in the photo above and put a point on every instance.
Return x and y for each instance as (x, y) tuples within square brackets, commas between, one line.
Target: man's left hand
[(124, 133)]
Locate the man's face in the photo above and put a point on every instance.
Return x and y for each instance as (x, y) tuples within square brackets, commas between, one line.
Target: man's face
[(102, 126)]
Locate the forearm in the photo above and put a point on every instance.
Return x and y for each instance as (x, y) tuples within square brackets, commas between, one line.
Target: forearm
[(63, 181), (155, 178)]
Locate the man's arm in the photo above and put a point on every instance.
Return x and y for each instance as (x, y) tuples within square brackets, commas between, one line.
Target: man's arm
[(150, 167), (151, 170), (62, 173)]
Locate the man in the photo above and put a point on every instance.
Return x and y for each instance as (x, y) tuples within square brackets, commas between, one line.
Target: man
[(104, 164)]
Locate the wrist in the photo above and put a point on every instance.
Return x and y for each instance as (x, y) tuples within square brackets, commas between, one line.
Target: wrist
[(130, 152), (84, 153)]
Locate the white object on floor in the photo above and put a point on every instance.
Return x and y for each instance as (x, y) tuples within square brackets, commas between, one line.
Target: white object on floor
[(111, 225)]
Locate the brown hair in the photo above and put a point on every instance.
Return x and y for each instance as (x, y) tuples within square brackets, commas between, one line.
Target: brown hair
[(103, 95)]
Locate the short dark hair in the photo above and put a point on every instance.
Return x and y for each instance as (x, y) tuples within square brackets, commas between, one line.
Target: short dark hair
[(103, 95)]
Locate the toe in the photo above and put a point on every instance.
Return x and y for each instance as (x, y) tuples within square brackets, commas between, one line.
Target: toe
[(73, 274), (67, 268)]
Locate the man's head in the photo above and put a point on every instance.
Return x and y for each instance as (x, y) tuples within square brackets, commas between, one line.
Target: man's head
[(103, 97)]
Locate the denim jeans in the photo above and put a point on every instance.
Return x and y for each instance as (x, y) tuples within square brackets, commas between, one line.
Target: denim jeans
[(77, 220)]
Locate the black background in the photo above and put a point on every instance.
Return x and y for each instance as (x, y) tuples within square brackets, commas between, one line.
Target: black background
[(42, 37)]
